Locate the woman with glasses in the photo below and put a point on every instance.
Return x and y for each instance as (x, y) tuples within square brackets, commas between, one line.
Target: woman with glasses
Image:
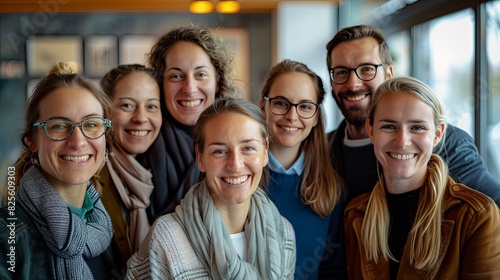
[(304, 185), (126, 184), (417, 223), (55, 226)]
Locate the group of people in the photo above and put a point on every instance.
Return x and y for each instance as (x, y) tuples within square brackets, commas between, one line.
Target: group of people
[(165, 172)]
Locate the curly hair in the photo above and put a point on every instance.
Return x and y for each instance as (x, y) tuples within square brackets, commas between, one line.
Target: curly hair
[(221, 57)]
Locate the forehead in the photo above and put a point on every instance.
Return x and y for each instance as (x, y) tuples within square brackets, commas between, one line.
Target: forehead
[(73, 103), (186, 52), (403, 105), (137, 82), (294, 86), (231, 128), (353, 53)]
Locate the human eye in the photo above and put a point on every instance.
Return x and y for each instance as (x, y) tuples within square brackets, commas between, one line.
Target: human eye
[(202, 75), (57, 125), (388, 127), (93, 123), (280, 103), (340, 72), (366, 69), (127, 106), (307, 107), (418, 128), (175, 77)]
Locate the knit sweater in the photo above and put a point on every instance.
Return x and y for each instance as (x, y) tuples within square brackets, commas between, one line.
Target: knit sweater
[(316, 237)]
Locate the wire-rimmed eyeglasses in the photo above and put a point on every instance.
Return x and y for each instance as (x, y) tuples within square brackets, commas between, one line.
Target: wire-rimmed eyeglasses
[(60, 129), (365, 72), (280, 106)]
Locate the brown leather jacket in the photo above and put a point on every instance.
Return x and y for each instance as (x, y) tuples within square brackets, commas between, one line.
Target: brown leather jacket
[(470, 247)]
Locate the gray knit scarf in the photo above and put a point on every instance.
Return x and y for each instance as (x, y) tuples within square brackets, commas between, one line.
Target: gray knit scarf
[(209, 237), (70, 238)]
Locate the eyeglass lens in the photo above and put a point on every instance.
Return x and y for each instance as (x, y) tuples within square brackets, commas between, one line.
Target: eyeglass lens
[(364, 72), (60, 129), (305, 110)]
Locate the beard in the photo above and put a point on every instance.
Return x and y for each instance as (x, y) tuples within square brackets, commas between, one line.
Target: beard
[(357, 114)]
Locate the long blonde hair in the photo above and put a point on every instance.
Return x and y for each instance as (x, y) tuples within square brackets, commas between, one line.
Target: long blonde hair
[(321, 185), (425, 235)]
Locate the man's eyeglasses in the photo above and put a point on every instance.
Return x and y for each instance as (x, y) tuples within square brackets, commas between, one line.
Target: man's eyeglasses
[(280, 106), (365, 72), (59, 129)]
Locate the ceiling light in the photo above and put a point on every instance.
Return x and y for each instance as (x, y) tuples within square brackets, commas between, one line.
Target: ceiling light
[(228, 6), (201, 6)]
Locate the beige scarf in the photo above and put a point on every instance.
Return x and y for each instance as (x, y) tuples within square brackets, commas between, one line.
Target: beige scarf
[(134, 184)]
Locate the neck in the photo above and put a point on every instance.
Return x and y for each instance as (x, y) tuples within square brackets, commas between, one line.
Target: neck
[(397, 186), (73, 194), (235, 217), (286, 156), (356, 132)]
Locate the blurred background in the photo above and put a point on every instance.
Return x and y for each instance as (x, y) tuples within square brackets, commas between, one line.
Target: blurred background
[(454, 46)]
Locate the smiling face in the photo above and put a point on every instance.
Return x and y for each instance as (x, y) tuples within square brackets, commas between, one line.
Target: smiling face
[(190, 82), (353, 97), (71, 162), (135, 112), (289, 130), (233, 158), (403, 135)]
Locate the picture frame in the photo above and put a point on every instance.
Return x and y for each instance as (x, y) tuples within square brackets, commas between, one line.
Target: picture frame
[(101, 54), (238, 40), (134, 48), (43, 51)]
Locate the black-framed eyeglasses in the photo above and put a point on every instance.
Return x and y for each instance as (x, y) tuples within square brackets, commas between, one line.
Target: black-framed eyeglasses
[(365, 72), (60, 129), (280, 106)]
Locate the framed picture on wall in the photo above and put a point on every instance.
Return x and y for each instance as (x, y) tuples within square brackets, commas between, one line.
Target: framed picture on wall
[(101, 54), (237, 39), (134, 48), (43, 51)]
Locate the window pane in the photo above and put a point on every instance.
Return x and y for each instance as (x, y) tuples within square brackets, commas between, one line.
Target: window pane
[(399, 44), (493, 57), (444, 59)]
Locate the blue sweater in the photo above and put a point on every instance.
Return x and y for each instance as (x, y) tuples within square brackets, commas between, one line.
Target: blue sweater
[(319, 241)]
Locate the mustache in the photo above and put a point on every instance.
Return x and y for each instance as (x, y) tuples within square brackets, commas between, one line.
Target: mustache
[(354, 93)]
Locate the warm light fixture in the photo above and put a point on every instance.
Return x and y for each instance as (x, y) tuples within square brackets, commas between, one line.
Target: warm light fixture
[(228, 6), (201, 6)]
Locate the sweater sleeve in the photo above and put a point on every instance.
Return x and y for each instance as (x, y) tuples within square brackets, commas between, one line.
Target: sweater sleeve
[(465, 163)]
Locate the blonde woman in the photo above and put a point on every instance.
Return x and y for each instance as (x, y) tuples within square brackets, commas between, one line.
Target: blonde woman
[(417, 223)]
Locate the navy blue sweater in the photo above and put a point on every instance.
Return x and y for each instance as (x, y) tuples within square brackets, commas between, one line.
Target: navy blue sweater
[(319, 241)]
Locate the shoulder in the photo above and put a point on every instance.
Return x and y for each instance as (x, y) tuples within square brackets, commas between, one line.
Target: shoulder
[(459, 193), (289, 232), (358, 203)]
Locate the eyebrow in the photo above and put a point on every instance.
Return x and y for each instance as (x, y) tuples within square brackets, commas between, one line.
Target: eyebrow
[(84, 117), (241, 142), (179, 69)]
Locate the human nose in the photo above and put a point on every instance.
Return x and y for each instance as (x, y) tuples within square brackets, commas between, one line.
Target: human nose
[(77, 138), (292, 113), (189, 85), (140, 115), (402, 139), (235, 162), (353, 81)]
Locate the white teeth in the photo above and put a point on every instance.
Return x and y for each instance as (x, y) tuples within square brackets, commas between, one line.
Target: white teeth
[(77, 158), (139, 133), (191, 104), (403, 157), (355, 98), (289, 128), (236, 181)]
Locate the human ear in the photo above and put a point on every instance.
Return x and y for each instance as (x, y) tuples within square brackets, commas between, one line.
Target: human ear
[(440, 128), (201, 165)]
